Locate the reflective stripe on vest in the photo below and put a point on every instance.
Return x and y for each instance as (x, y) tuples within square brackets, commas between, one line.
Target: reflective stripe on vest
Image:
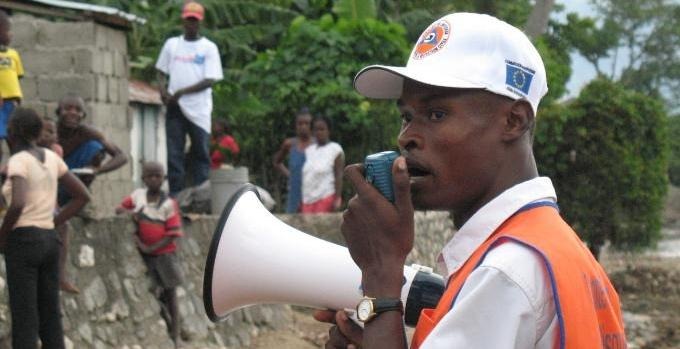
[(587, 306)]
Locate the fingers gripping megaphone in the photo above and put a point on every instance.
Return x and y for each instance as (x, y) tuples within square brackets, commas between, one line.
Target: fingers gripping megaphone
[(254, 258)]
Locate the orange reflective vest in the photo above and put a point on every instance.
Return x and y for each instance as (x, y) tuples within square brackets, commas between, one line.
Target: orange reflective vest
[(586, 303)]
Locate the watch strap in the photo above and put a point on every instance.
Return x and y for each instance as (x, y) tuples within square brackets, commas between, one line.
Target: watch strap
[(381, 305)]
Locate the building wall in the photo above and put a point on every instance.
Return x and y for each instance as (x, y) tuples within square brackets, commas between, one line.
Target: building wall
[(143, 148), (88, 59)]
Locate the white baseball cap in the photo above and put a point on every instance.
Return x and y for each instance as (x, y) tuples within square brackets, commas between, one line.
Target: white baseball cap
[(465, 50)]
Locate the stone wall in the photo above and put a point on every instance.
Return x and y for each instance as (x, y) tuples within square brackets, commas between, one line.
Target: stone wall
[(116, 310), (88, 59)]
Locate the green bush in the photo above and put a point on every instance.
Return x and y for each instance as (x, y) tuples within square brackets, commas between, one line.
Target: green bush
[(313, 66), (674, 160), (607, 153)]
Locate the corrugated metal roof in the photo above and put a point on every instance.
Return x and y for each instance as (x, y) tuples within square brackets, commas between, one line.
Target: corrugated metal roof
[(106, 14), (94, 8), (142, 92)]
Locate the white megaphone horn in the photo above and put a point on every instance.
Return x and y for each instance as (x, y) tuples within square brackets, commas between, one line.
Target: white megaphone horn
[(255, 258)]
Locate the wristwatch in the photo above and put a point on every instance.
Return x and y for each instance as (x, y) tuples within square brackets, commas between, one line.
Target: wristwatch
[(368, 308)]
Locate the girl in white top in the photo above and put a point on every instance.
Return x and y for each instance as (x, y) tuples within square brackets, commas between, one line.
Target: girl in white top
[(27, 235), (322, 171)]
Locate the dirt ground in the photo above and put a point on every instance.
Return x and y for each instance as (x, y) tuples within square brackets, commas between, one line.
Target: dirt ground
[(303, 333), (648, 284)]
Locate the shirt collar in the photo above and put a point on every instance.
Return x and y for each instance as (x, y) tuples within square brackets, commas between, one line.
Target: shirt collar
[(488, 218)]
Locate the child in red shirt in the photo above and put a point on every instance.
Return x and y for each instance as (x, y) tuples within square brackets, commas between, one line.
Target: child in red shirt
[(158, 225)]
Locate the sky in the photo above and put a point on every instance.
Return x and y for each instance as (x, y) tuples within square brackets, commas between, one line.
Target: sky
[(582, 71)]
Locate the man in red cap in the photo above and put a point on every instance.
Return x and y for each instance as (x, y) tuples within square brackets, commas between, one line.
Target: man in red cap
[(193, 65)]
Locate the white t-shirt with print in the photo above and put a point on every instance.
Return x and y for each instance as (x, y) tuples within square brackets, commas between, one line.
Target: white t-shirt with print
[(318, 178), (187, 63)]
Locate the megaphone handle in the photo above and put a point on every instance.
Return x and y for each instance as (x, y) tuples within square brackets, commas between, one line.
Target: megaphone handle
[(352, 314)]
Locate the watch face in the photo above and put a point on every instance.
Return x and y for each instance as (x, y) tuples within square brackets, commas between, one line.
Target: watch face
[(364, 309)]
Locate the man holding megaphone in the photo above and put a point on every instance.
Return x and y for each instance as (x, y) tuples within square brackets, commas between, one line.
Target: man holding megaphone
[(517, 274)]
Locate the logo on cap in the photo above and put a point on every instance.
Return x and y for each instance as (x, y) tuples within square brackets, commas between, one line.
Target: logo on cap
[(518, 78), (432, 39)]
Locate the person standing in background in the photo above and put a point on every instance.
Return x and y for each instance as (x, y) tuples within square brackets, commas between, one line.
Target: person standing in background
[(223, 146), (11, 70), (294, 148), (322, 172), (193, 65), (159, 225), (27, 235)]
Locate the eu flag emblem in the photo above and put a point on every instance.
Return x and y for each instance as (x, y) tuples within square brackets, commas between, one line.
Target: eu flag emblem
[(518, 77)]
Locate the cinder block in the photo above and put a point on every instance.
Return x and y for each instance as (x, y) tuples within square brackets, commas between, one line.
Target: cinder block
[(102, 88), (103, 62), (51, 89), (89, 111), (41, 61), (108, 62), (113, 87), (51, 110), (101, 113), (101, 36), (119, 116), (120, 65), (29, 87), (124, 91), (24, 32), (66, 34), (83, 60), (98, 62), (117, 41), (36, 105)]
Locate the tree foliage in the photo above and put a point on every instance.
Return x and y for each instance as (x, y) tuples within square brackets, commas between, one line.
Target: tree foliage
[(674, 161), (314, 66), (241, 28), (607, 153), (641, 39)]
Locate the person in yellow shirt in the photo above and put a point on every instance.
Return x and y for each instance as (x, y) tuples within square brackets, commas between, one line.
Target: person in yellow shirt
[(11, 70)]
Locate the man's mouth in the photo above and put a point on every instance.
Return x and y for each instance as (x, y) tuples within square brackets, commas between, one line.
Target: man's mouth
[(416, 171)]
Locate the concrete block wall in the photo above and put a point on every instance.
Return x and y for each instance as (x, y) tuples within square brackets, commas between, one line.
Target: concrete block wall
[(88, 59)]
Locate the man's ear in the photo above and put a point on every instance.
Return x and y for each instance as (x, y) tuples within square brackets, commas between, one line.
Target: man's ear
[(519, 120)]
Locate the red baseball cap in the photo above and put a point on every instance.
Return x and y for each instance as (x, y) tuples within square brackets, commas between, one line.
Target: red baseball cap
[(193, 9)]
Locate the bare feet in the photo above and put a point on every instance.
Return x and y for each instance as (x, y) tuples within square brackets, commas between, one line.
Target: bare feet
[(69, 287)]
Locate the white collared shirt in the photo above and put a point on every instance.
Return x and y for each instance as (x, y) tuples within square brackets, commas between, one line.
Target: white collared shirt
[(506, 302)]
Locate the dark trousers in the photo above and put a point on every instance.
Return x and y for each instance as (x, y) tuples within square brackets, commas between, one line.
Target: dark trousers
[(177, 126), (32, 263)]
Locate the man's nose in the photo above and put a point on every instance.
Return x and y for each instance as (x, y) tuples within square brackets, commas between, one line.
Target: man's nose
[(409, 137)]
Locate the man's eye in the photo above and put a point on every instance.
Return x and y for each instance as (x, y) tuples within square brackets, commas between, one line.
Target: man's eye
[(437, 115), (406, 117)]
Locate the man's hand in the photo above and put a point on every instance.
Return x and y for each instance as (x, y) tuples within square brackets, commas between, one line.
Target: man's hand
[(345, 334), (169, 98), (174, 98), (379, 234)]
